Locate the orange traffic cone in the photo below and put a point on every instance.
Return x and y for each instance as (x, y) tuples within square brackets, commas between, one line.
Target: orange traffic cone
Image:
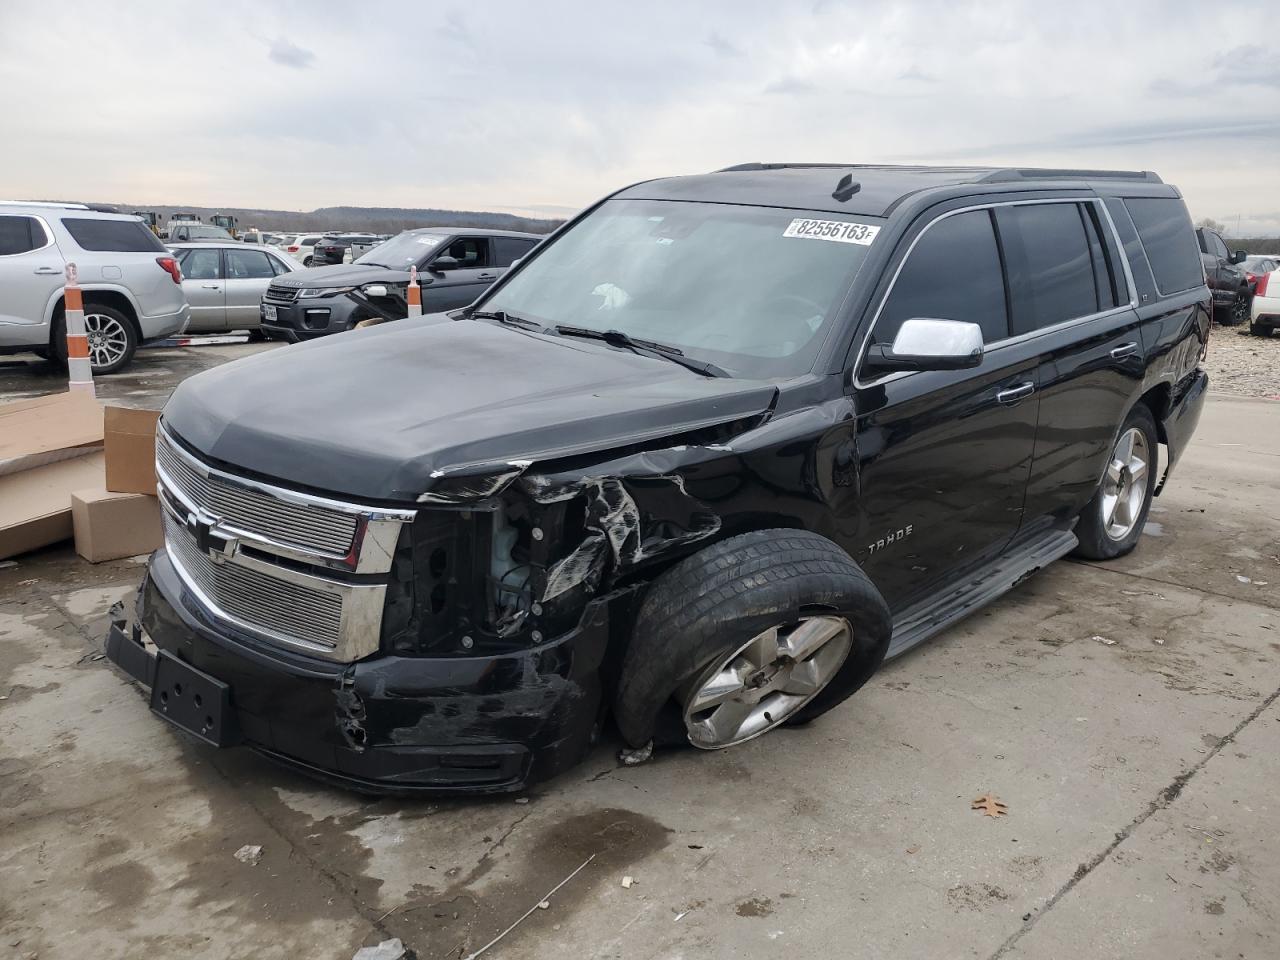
[(79, 370)]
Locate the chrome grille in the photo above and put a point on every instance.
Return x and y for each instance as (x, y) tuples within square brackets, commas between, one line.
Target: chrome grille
[(303, 526), (283, 294), (256, 599)]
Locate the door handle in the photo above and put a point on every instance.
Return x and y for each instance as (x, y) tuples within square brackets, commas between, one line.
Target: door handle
[(1124, 350), (210, 286), (487, 276), (48, 272), (1014, 394)]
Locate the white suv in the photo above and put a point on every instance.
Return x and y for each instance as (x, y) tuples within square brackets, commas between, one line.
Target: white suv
[(132, 283)]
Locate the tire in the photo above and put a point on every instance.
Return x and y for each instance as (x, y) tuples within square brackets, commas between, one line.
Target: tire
[(1260, 331), (1106, 531), (1237, 312), (113, 339), (257, 335), (706, 610), (308, 261)]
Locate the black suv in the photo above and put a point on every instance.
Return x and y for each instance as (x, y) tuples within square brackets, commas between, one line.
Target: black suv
[(455, 265), (700, 461), (1228, 281)]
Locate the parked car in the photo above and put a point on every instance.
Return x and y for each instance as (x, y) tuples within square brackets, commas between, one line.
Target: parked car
[(362, 245), (1225, 277), (260, 237), (339, 248), (198, 233), (224, 282), (1264, 310), (131, 283), (1255, 267), (701, 461), (300, 246), (455, 266)]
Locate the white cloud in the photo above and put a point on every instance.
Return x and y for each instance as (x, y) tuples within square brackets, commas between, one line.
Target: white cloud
[(554, 104)]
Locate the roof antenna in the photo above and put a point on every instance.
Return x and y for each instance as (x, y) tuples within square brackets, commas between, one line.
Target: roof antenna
[(846, 188)]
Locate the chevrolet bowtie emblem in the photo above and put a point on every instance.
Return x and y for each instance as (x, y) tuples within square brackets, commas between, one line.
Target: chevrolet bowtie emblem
[(203, 527)]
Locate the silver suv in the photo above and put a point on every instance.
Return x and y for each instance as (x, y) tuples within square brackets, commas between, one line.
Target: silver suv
[(132, 283)]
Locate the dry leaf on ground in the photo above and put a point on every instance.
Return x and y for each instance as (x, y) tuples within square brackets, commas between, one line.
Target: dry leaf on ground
[(990, 805)]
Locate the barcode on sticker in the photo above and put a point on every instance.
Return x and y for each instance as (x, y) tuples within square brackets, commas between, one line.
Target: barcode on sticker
[(839, 230)]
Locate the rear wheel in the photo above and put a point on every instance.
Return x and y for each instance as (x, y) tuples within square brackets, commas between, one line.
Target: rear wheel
[(113, 339), (308, 261), (1113, 520), (763, 629), (1238, 312), (1260, 331)]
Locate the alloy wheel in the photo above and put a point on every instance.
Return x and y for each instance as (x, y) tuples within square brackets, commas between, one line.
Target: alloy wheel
[(765, 681), (108, 339), (1124, 485), (1239, 310)]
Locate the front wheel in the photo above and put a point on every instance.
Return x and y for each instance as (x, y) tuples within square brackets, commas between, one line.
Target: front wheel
[(1113, 520), (763, 629)]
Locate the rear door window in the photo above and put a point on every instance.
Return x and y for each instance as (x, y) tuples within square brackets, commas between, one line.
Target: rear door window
[(117, 236), (279, 266), (1050, 266), (201, 263), (248, 265), (953, 273), (1164, 226), (20, 235), (507, 250)]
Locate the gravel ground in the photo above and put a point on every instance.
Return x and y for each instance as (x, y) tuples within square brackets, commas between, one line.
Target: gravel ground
[(1243, 365)]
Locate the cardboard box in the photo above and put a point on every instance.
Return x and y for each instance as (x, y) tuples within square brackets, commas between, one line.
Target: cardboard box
[(45, 429), (35, 504), (109, 525), (131, 450)]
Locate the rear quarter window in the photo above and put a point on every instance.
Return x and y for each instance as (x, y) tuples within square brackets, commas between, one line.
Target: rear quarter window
[(119, 236), (1167, 236)]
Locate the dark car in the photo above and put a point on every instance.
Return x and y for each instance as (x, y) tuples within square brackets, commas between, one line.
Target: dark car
[(1226, 278), (701, 461), (338, 248), (455, 265)]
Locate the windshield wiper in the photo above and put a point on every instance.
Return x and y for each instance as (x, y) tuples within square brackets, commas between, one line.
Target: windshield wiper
[(510, 319), (617, 338)]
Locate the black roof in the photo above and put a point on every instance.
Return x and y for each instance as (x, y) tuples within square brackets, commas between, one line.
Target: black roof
[(811, 185)]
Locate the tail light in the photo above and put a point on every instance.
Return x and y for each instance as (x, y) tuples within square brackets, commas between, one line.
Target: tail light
[(1261, 289), (171, 266), (294, 249)]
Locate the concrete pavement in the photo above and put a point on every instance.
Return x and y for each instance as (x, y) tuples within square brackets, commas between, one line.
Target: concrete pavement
[(1140, 778)]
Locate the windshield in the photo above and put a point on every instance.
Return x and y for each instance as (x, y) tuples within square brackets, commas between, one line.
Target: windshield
[(208, 233), (403, 251), (751, 289), (1258, 264)]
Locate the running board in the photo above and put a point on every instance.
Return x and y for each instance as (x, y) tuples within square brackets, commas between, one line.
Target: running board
[(918, 623)]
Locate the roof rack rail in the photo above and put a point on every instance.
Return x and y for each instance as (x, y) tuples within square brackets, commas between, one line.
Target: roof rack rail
[(49, 204), (786, 166), (1014, 174)]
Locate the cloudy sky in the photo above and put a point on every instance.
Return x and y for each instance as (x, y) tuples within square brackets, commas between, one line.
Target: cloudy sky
[(542, 107)]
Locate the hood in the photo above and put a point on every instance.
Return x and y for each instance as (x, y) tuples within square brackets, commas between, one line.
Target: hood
[(384, 413), (340, 275)]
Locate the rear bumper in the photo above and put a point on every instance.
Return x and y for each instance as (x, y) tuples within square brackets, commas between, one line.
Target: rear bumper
[(1177, 428), (165, 324), (307, 319), (388, 724), (1265, 312)]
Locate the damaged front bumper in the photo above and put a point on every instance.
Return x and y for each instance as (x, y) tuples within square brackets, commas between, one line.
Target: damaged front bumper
[(385, 724)]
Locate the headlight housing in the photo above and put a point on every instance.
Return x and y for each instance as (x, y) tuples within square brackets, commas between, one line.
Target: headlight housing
[(310, 293)]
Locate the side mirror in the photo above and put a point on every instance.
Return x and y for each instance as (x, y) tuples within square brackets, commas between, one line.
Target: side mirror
[(1239, 256), (442, 264), (924, 343), (374, 290)]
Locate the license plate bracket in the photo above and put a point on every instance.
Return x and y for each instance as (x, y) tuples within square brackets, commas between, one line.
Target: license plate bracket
[(268, 313), (193, 701)]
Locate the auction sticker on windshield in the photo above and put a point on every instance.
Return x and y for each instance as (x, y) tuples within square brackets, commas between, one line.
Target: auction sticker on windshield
[(838, 230)]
